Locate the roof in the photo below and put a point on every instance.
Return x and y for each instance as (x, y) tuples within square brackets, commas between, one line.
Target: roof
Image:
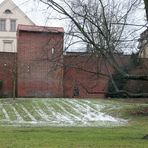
[(32, 28)]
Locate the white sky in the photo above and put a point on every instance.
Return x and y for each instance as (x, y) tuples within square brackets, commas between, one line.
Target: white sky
[(37, 12)]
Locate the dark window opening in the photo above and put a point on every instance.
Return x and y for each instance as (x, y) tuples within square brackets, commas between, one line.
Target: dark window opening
[(7, 11), (2, 25), (13, 25), (76, 92)]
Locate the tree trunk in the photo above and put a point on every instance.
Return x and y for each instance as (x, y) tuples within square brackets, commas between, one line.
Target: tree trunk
[(146, 8)]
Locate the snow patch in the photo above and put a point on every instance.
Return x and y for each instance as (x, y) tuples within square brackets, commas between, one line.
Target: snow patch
[(18, 116), (28, 113), (5, 113), (60, 112)]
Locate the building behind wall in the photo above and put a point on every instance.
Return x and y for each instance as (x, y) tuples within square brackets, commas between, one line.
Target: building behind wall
[(143, 44), (10, 17)]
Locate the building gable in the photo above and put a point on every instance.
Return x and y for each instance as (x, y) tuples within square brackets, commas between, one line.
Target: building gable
[(10, 17), (16, 12)]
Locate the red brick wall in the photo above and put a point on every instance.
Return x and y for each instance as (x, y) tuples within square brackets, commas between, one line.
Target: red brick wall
[(39, 71), (80, 71), (7, 61)]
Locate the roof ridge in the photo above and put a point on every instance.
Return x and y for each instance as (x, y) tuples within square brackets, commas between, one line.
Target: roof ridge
[(34, 28)]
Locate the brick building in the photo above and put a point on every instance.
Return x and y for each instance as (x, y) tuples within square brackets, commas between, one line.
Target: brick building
[(42, 70), (36, 66), (7, 65), (10, 16), (38, 71)]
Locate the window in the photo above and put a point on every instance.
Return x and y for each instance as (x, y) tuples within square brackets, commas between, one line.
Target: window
[(13, 25), (52, 50), (2, 25), (7, 46), (7, 11)]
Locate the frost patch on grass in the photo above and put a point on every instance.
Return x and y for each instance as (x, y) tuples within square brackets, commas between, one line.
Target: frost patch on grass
[(5, 113), (59, 112), (28, 113), (18, 116)]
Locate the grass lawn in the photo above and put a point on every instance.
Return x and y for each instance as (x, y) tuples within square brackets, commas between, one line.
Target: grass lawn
[(129, 136), (125, 137)]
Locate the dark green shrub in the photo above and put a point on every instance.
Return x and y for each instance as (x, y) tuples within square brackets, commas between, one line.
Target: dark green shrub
[(134, 62), (120, 82)]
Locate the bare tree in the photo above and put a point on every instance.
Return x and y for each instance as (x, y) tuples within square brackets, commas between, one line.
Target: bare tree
[(146, 8), (101, 25)]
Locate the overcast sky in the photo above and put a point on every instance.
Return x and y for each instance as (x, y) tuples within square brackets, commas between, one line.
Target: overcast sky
[(41, 15)]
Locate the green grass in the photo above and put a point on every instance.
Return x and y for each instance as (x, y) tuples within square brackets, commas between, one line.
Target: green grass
[(129, 136), (125, 137)]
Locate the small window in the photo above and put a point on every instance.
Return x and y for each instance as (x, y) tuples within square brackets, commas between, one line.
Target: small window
[(2, 25), (7, 46), (7, 11), (52, 51), (13, 25)]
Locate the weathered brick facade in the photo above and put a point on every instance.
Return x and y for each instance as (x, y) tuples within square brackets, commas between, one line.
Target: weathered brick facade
[(80, 72), (7, 63), (43, 70), (39, 72), (89, 74)]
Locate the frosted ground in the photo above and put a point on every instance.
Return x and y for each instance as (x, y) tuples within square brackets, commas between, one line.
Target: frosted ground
[(57, 112)]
